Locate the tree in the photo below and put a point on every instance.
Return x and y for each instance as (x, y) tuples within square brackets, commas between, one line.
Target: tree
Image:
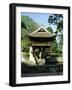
[(23, 25), (27, 25), (57, 19), (50, 29)]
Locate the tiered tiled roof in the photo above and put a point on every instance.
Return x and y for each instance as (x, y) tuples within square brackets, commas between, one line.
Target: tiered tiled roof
[(41, 32)]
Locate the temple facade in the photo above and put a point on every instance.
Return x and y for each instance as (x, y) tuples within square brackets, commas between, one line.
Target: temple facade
[(41, 42)]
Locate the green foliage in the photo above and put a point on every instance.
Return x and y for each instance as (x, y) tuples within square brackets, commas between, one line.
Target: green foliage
[(27, 25), (55, 49), (23, 25), (50, 29), (60, 25), (57, 19), (23, 33)]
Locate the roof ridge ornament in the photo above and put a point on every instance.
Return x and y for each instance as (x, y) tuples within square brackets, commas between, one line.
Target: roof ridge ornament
[(42, 27)]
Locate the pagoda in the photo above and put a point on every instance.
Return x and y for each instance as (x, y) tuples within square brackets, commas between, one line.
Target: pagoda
[(41, 42)]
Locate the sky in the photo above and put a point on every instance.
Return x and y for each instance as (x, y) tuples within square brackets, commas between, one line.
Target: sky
[(40, 18)]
